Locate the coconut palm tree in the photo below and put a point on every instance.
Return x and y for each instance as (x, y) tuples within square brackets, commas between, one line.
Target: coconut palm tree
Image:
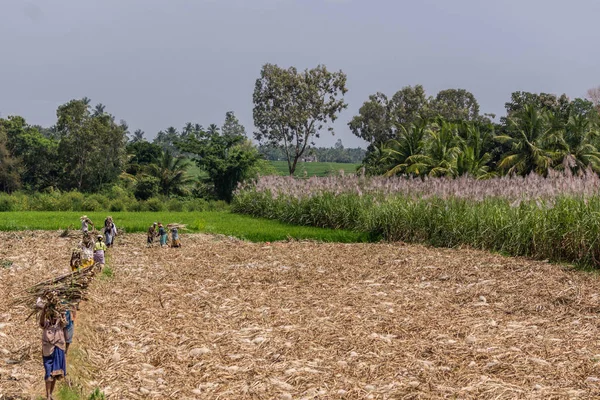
[(171, 173), (402, 153), (440, 152), (535, 145), (473, 160), (578, 142)]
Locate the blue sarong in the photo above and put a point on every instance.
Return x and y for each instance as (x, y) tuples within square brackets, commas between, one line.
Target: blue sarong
[(55, 365)]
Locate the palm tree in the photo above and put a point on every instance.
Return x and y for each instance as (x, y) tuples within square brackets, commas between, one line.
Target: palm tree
[(440, 153), (138, 136), (404, 151), (579, 150), (99, 109), (472, 159), (171, 173), (213, 129), (187, 130), (534, 143)]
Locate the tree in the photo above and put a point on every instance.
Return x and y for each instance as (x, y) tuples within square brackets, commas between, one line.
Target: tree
[(409, 105), (455, 105), (578, 144), (138, 136), (187, 130), (442, 150), (171, 173), (373, 122), (213, 129), (291, 108), (533, 143), (231, 126), (99, 109), (473, 160), (37, 153), (167, 140), (140, 154), (9, 166), (402, 153), (91, 148), (226, 159)]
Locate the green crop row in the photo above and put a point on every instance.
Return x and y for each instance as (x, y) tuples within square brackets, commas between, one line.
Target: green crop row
[(566, 228)]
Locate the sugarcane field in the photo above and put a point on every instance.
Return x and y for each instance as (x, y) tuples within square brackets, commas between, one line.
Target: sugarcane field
[(222, 318)]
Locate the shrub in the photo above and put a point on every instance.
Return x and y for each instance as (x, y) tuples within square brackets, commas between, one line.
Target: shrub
[(146, 188), (91, 205), (154, 204), (196, 205), (116, 205), (7, 202), (175, 205)]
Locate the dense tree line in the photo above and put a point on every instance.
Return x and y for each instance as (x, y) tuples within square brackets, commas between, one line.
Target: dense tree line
[(445, 135), (87, 150)]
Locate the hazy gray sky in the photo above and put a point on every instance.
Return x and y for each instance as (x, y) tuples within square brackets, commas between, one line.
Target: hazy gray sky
[(157, 63)]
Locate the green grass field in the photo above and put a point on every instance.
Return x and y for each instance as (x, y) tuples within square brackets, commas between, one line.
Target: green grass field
[(218, 222), (314, 168)]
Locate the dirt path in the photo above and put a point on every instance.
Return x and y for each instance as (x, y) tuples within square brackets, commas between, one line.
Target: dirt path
[(225, 319)]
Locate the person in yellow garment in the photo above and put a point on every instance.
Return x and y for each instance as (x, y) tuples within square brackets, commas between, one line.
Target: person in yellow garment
[(99, 249), (87, 250)]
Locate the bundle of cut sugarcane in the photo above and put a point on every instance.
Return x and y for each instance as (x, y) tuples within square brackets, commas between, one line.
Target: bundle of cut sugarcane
[(176, 225), (61, 293)]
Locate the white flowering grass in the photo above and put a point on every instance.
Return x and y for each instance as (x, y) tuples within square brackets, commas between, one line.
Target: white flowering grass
[(555, 218)]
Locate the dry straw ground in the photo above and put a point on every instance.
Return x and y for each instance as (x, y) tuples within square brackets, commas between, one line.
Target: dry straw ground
[(225, 319)]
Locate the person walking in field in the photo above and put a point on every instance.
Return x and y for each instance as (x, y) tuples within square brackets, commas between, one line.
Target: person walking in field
[(162, 233), (69, 328), (53, 348), (110, 231), (87, 250), (99, 250), (86, 223), (175, 242), (151, 234)]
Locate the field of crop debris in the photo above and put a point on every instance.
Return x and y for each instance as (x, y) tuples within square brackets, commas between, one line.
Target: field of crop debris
[(222, 318)]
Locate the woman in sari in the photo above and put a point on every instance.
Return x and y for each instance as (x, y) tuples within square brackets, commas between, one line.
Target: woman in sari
[(110, 231), (53, 347)]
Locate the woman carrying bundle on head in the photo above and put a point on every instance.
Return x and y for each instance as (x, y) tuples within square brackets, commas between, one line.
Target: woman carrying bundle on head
[(110, 231), (86, 223), (53, 324), (162, 233), (151, 235), (87, 250), (175, 242)]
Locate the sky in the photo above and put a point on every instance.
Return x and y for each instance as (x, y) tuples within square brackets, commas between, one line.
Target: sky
[(161, 63)]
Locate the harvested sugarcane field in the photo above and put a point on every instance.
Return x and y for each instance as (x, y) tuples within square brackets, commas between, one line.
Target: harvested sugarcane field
[(221, 318)]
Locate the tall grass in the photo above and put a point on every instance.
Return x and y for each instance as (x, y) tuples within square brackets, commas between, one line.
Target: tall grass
[(556, 218)]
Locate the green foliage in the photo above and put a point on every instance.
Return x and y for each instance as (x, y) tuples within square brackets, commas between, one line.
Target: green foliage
[(292, 108), (97, 395), (147, 187), (107, 273), (67, 393), (171, 174), (141, 153), (226, 159), (154, 204), (91, 146)]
